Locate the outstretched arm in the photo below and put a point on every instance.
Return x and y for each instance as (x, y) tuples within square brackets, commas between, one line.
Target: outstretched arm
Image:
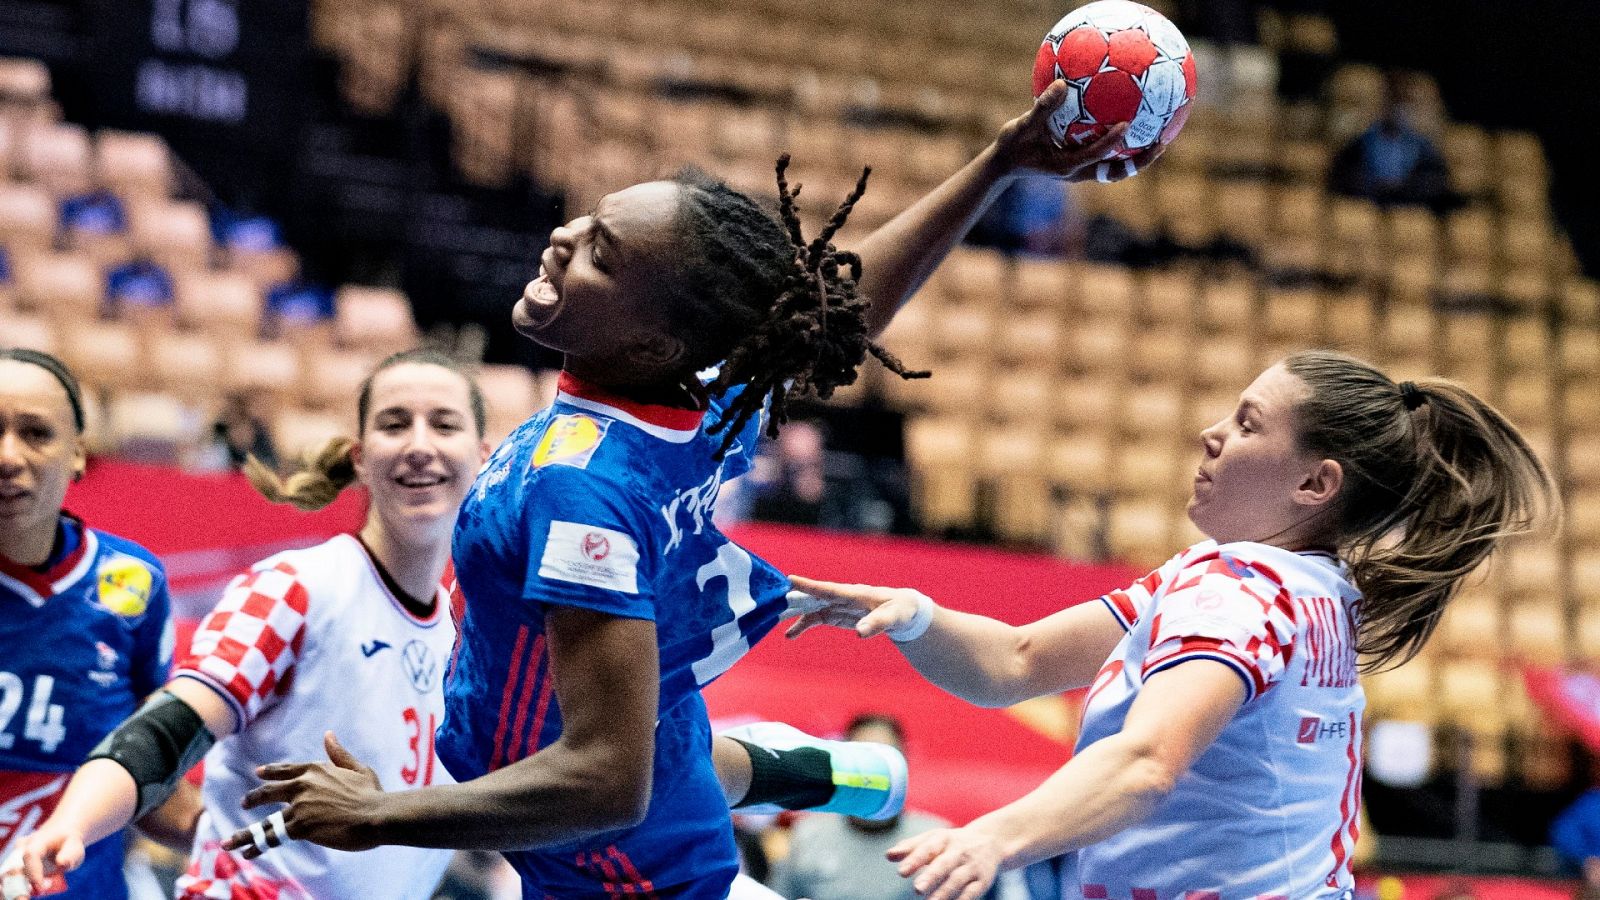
[(595, 778), (1113, 784), (102, 797), (898, 257), (981, 660)]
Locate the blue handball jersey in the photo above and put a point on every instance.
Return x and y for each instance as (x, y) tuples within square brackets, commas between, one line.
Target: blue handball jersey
[(604, 504), (81, 644)]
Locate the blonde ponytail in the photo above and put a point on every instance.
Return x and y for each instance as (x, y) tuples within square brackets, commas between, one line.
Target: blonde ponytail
[(323, 473)]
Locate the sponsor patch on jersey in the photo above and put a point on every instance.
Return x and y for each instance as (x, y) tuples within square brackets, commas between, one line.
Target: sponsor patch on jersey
[(570, 440), (125, 586), (591, 555)]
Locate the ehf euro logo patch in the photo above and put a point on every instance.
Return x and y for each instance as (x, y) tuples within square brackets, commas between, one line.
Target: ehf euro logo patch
[(570, 440), (124, 586)]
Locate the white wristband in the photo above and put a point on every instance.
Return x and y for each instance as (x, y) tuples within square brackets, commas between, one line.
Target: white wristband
[(918, 626)]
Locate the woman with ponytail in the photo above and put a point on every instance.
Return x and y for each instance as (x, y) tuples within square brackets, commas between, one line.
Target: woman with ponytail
[(352, 634), (1220, 749)]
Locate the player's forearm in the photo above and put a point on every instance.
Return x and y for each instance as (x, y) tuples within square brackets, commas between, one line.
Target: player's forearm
[(173, 823), (1111, 785), (558, 796), (977, 658), (99, 801), (900, 255)]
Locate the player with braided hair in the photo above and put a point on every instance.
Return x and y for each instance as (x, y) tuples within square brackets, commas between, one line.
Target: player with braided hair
[(599, 595), (817, 327)]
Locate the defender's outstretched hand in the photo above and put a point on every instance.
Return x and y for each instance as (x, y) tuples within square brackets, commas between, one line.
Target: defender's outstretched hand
[(328, 803), (1027, 143), (948, 863), (866, 609)]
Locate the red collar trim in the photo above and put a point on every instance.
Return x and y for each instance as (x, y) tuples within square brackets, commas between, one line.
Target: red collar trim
[(43, 582), (660, 416)]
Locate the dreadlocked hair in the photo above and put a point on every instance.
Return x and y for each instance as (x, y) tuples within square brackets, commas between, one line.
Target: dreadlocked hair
[(787, 306)]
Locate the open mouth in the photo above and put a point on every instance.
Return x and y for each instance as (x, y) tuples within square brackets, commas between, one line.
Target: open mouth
[(421, 480), (541, 300)]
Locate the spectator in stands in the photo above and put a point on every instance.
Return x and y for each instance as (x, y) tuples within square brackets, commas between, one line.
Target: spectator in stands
[(787, 480), (1393, 162), (842, 857), (241, 432), (97, 212), (1575, 835), (1032, 216), (140, 283)]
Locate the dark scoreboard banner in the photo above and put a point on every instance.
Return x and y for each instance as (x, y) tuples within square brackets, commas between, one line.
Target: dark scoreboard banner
[(224, 81)]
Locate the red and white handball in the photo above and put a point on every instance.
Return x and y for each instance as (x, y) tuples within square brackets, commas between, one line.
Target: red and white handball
[(1122, 62)]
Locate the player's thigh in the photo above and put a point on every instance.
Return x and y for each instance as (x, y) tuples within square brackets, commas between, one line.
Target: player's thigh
[(746, 888)]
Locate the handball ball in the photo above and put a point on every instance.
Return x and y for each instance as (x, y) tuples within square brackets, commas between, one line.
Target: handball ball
[(1122, 62)]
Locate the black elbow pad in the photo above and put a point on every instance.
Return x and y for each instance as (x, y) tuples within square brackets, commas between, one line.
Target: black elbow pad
[(157, 745)]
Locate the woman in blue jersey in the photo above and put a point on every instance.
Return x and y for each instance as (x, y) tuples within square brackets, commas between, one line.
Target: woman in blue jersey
[(600, 596), (85, 633), (1220, 752)]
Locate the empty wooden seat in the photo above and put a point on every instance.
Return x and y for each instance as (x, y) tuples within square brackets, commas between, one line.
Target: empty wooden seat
[(1293, 313), (223, 303), (1106, 291), (939, 451), (105, 354), (58, 157), (272, 368), (152, 426), (1140, 531), (188, 366), (175, 234), (333, 378), (298, 432), (374, 318), (1086, 403), (1035, 338), (1406, 693), (1010, 459), (133, 164), (1023, 395), (34, 332), (27, 217), (63, 286)]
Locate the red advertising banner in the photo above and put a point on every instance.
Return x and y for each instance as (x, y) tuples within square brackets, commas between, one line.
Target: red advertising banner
[(966, 760)]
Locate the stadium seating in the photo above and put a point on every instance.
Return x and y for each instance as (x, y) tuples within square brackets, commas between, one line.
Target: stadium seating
[(160, 372)]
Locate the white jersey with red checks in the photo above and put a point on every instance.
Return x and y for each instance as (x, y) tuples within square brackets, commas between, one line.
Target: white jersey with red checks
[(1268, 812), (310, 641)]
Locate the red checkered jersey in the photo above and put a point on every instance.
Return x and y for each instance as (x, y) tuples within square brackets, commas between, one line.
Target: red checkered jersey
[(1269, 810), (305, 642)]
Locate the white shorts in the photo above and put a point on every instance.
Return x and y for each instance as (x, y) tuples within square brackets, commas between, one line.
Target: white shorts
[(747, 888)]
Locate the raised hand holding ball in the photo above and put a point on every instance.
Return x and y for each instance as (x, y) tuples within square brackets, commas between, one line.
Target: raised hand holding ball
[(1122, 62)]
